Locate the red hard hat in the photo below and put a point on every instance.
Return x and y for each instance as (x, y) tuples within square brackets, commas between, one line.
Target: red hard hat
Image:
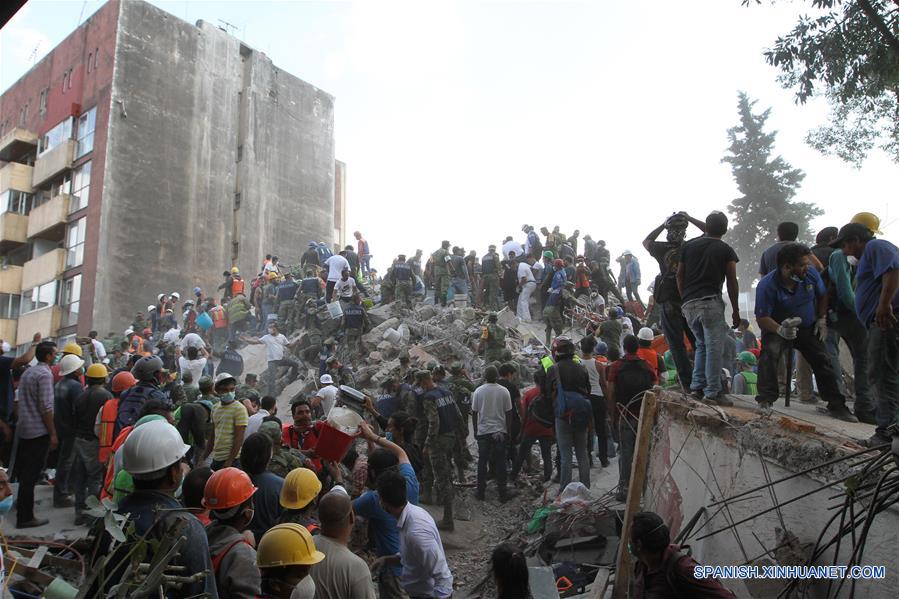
[(122, 381), (227, 488)]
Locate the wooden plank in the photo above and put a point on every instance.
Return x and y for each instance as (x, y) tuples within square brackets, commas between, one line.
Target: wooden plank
[(38, 556), (600, 583), (646, 423)]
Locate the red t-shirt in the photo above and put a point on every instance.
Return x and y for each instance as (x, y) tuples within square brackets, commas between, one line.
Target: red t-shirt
[(291, 437), (533, 428)]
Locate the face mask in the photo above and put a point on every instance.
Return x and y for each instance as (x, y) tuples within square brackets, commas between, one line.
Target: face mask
[(852, 260), (795, 278), (389, 436), (227, 397), (630, 548), (6, 505)]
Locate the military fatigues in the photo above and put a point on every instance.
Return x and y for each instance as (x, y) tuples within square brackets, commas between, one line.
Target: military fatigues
[(308, 289), (191, 392), (355, 322), (441, 275), (244, 391), (494, 337), (461, 388), (403, 282), (287, 291), (490, 277), (284, 461), (442, 417)]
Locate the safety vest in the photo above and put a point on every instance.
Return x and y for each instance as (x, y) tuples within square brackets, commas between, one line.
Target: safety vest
[(108, 414), (488, 264), (108, 490), (353, 316), (402, 271), (237, 286), (310, 285), (219, 318), (546, 362), (650, 357), (139, 348), (752, 382)]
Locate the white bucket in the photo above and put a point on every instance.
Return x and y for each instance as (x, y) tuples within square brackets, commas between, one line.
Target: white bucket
[(335, 310), (393, 336)]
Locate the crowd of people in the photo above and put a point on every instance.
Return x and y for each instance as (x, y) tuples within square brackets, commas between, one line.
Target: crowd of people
[(164, 423)]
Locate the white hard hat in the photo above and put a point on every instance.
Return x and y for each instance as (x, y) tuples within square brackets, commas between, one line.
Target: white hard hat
[(150, 308), (223, 377), (626, 253), (326, 379), (129, 331), (69, 364), (646, 334), (151, 447), (176, 295), (160, 296)]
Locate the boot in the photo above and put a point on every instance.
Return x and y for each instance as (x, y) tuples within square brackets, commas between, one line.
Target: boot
[(425, 496), (447, 523)]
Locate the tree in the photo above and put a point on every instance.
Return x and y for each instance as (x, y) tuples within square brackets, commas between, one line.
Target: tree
[(767, 185), (849, 55)]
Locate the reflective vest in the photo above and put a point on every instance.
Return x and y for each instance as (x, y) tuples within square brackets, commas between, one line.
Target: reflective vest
[(752, 382), (237, 286), (546, 362), (650, 357), (108, 480), (108, 414), (219, 318), (137, 344)]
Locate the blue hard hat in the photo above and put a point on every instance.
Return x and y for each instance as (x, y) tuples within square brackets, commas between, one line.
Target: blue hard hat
[(312, 244), (197, 291), (601, 348), (620, 311)]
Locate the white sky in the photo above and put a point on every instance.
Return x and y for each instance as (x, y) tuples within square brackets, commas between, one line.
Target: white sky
[(465, 120)]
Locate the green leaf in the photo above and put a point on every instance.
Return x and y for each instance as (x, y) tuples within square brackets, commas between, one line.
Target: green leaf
[(113, 528)]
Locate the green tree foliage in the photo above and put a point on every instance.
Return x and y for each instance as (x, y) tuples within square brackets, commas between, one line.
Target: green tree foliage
[(849, 54), (767, 186)]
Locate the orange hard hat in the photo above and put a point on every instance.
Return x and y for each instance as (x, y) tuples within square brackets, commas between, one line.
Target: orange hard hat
[(123, 380), (227, 488)]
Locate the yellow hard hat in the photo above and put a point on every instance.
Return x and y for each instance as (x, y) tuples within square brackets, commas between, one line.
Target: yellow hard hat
[(72, 348), (287, 545), (96, 371), (234, 270), (273, 275), (869, 220), (301, 486)]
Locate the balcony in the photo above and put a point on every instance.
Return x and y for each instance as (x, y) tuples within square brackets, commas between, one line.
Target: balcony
[(44, 321), (11, 280), (13, 230), (16, 144), (54, 162), (8, 330), (49, 219), (43, 269), (16, 176)]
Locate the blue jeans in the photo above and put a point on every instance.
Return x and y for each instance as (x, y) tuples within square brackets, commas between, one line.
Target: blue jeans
[(492, 450), (567, 436), (850, 330), (674, 326), (706, 319), (459, 286), (883, 375)]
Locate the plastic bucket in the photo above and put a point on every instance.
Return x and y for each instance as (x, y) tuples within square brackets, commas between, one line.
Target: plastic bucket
[(335, 310), (333, 443), (393, 336)]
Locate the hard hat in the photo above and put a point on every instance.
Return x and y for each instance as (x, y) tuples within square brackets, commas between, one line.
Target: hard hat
[(224, 377), (72, 348), (747, 357), (150, 308), (123, 380), (326, 379), (287, 545), (273, 275), (301, 486), (160, 297), (627, 253), (197, 291), (548, 254), (96, 371), (152, 447), (69, 364), (645, 334), (146, 368), (227, 488), (869, 220), (176, 295), (235, 270)]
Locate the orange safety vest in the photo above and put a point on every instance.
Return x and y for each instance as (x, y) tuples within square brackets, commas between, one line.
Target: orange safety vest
[(237, 286), (110, 466), (107, 428), (650, 357), (140, 345), (219, 318)]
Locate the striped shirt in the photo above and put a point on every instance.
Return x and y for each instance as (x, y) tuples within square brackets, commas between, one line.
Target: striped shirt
[(35, 399), (225, 417)]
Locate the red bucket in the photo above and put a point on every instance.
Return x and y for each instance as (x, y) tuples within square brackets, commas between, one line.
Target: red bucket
[(333, 444)]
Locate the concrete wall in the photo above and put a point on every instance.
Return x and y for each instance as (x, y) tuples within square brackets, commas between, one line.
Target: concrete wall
[(184, 98), (695, 461)]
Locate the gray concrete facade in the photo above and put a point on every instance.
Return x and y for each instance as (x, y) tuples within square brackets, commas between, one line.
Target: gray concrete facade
[(215, 157)]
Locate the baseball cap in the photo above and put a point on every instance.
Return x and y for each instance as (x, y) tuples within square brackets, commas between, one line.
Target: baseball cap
[(851, 230)]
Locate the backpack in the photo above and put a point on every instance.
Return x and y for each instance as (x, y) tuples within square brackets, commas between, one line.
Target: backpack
[(541, 410), (572, 405)]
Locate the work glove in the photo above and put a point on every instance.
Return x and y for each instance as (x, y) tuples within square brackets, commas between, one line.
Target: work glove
[(789, 328), (821, 329)]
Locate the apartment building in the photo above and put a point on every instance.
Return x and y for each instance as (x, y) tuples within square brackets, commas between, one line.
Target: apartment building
[(145, 154)]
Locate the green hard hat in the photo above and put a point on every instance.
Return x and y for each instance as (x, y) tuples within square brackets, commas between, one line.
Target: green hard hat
[(548, 254), (747, 357)]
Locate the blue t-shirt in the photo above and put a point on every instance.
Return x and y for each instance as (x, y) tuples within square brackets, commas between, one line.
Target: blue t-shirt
[(266, 502), (386, 405), (382, 526), (774, 300), (880, 257)]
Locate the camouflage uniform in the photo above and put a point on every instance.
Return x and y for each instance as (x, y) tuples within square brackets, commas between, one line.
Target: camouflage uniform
[(244, 391), (285, 460), (191, 393), (440, 444), (494, 337), (552, 316), (461, 388), (490, 277), (441, 275)]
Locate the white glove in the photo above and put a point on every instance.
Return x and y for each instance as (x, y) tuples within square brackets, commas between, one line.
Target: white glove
[(789, 328), (821, 329)]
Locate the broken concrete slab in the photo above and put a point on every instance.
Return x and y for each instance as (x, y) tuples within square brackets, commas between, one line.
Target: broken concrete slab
[(418, 354)]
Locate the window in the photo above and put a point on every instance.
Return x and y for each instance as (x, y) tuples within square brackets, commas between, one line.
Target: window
[(42, 106), (87, 122), (65, 81), (61, 186), (69, 300), (39, 297), (23, 114), (18, 202), (81, 187), (55, 136), (90, 59), (75, 243), (9, 305), (92, 66)]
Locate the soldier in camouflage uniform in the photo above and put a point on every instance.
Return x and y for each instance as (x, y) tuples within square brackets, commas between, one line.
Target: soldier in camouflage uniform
[(493, 339), (490, 277), (248, 389), (461, 388), (403, 280), (284, 459), (442, 417), (309, 289), (287, 292), (440, 272), (354, 323), (191, 391)]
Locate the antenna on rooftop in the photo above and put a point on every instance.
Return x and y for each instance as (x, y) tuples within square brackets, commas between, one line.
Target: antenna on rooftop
[(33, 56), (227, 27)]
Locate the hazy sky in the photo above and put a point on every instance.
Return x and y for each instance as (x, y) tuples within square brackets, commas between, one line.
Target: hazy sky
[(465, 120)]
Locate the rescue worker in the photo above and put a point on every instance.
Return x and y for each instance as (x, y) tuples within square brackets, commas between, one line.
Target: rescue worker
[(286, 302), (284, 459), (106, 419), (284, 556), (87, 472), (552, 309), (440, 273), (228, 496), (403, 280), (459, 280), (355, 324), (443, 419), (461, 388), (746, 380), (310, 288), (149, 375), (493, 339), (299, 498), (490, 277), (248, 389), (309, 259)]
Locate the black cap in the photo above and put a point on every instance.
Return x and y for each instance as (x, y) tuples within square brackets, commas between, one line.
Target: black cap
[(851, 230)]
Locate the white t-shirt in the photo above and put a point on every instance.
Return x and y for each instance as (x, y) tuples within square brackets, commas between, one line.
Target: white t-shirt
[(194, 367), (491, 401), (99, 349), (525, 272), (275, 346), (255, 421), (537, 269), (336, 265), (345, 289), (329, 395)]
